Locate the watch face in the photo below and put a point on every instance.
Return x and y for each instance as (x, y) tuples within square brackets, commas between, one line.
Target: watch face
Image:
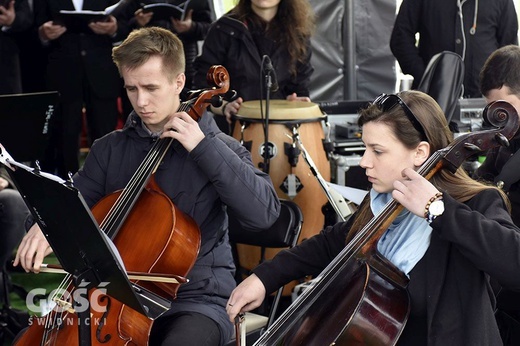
[(436, 208)]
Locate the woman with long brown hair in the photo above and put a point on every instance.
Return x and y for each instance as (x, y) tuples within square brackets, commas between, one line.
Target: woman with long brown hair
[(239, 40)]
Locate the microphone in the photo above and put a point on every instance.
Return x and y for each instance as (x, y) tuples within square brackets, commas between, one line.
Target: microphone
[(270, 70)]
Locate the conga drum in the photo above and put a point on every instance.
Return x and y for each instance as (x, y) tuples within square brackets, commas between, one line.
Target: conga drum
[(291, 175)]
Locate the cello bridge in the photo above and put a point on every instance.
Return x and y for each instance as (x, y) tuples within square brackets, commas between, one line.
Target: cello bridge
[(65, 305)]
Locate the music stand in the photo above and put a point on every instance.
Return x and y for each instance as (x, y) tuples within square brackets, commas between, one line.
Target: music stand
[(80, 246), (25, 123)]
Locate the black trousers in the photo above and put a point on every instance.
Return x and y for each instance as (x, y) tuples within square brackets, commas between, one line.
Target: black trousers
[(185, 328), (508, 316)]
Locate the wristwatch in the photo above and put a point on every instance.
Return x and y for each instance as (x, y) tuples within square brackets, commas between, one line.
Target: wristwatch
[(435, 209)]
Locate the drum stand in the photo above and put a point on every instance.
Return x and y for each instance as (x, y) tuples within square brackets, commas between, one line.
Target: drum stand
[(343, 208)]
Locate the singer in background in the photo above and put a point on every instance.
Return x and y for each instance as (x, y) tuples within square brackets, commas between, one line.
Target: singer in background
[(192, 29), (246, 39), (473, 29)]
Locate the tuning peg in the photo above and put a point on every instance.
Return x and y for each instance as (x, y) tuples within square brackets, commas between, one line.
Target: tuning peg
[(502, 140), (472, 147), (216, 101)]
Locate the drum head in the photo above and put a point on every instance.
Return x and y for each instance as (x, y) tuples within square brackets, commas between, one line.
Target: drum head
[(281, 111)]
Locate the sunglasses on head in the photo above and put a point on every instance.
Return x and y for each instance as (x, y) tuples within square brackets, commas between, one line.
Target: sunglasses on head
[(387, 102)]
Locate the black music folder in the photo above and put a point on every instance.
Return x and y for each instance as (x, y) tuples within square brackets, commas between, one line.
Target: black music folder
[(79, 244), (164, 11), (25, 122), (78, 21)]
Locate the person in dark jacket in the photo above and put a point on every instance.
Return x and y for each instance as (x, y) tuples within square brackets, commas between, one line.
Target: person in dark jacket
[(192, 29), (80, 67), (15, 16), (471, 28), (33, 56), (500, 80), (453, 234), (280, 29), (203, 173), (13, 213)]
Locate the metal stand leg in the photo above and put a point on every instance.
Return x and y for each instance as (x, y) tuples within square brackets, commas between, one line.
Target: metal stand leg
[(12, 321)]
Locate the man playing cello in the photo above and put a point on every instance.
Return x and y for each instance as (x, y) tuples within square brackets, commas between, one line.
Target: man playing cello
[(203, 172)]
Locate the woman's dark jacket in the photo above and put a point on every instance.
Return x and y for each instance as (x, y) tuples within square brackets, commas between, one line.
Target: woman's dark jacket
[(229, 43), (470, 242)]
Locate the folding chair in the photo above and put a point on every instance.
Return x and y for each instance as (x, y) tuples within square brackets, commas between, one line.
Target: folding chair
[(283, 234)]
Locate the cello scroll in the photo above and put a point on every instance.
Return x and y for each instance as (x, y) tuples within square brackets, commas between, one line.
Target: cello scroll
[(499, 114), (218, 77)]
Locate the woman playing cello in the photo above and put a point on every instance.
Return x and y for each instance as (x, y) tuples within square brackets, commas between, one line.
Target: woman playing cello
[(202, 172), (452, 235)]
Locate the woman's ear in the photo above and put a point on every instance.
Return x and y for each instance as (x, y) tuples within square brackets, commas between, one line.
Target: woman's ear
[(422, 152)]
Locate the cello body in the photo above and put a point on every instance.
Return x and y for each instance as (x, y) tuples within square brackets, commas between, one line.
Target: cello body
[(359, 305), (349, 311), (172, 250), (64, 329), (175, 245)]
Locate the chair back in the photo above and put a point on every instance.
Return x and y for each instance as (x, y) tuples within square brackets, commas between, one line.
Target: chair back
[(283, 233), (443, 80)]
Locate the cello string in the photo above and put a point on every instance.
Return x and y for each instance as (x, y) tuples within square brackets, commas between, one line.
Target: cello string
[(123, 203), (128, 195), (133, 189), (51, 317), (51, 322), (134, 186)]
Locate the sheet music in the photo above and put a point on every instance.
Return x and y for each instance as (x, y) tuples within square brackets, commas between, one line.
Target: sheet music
[(350, 193)]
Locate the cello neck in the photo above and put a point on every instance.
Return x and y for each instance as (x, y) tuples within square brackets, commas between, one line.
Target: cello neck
[(195, 107), (120, 210)]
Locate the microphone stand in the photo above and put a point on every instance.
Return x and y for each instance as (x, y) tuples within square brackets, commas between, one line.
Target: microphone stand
[(268, 84)]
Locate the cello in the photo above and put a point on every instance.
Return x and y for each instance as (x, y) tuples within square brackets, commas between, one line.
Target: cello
[(361, 298), (125, 217)]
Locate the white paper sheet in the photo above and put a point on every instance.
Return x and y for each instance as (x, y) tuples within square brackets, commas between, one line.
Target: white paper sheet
[(352, 194)]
